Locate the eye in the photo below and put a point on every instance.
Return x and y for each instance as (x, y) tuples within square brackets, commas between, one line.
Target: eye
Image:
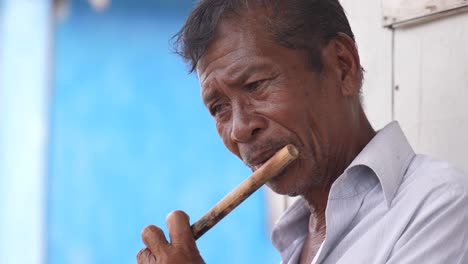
[(217, 108), (254, 85)]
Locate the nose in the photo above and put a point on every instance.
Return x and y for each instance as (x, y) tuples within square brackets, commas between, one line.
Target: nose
[(246, 124)]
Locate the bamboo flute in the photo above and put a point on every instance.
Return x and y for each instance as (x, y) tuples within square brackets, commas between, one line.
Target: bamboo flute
[(258, 178)]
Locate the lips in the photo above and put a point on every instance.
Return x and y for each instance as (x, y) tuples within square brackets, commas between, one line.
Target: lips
[(257, 160), (258, 166)]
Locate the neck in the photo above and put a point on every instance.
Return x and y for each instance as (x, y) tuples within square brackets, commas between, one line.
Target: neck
[(317, 197)]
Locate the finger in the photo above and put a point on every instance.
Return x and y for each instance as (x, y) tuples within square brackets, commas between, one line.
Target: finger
[(145, 256), (154, 239), (180, 232)]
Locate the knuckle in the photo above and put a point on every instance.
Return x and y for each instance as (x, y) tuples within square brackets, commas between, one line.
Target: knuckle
[(144, 256)]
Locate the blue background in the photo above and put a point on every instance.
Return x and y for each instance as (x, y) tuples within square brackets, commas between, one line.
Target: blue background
[(131, 141)]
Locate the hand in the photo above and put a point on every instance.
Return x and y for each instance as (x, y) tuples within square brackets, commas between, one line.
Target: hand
[(182, 248)]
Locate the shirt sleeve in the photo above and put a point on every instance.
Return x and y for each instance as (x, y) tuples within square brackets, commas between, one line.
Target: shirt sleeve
[(437, 233)]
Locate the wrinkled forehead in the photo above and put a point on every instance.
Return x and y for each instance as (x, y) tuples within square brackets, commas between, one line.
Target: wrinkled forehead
[(234, 34)]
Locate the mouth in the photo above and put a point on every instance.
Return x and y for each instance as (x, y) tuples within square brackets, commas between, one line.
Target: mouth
[(257, 160), (258, 166)]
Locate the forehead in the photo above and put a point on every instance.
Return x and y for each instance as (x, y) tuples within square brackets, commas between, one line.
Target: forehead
[(237, 39)]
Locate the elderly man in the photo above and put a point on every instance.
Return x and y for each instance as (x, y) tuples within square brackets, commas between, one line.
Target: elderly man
[(288, 72)]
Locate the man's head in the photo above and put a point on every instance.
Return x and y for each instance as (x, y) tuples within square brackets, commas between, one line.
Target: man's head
[(279, 72), (297, 24)]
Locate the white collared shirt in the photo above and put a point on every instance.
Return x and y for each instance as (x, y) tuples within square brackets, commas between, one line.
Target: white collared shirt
[(389, 206)]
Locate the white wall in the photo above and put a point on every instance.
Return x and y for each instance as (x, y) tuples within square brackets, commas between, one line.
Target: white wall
[(24, 48), (431, 63), (430, 76)]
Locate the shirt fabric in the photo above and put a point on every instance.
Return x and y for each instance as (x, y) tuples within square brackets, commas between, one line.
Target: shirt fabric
[(389, 206)]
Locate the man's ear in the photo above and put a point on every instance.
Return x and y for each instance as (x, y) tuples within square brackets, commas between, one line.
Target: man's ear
[(348, 63)]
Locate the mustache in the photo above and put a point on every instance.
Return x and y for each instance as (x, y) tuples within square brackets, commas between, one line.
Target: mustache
[(271, 145)]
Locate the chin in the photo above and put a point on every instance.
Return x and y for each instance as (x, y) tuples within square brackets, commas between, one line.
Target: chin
[(292, 183), (284, 184), (284, 190)]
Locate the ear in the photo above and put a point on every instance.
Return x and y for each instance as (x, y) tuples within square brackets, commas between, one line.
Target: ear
[(349, 65)]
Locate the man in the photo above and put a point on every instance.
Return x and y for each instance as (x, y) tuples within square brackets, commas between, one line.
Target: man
[(288, 72)]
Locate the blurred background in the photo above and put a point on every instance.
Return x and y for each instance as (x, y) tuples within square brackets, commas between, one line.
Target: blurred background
[(102, 130)]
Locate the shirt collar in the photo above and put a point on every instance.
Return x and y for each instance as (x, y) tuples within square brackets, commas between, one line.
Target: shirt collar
[(387, 155), (291, 228)]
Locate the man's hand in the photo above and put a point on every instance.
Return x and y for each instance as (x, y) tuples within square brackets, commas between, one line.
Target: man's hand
[(182, 248)]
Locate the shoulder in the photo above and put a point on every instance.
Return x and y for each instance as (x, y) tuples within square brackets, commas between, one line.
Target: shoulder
[(431, 209), (431, 172), (428, 177)]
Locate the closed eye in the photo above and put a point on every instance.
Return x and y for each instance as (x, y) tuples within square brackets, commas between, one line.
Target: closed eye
[(217, 108), (254, 85)]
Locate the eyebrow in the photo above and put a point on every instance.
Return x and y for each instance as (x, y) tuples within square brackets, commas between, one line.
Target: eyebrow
[(209, 96), (237, 77), (240, 76)]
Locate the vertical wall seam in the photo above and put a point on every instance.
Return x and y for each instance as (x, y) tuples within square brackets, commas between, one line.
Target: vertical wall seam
[(393, 72)]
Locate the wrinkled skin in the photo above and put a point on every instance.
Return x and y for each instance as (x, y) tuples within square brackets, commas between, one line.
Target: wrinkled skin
[(263, 96), (180, 249)]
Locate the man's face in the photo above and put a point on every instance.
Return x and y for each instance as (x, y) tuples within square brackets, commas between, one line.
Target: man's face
[(264, 96)]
